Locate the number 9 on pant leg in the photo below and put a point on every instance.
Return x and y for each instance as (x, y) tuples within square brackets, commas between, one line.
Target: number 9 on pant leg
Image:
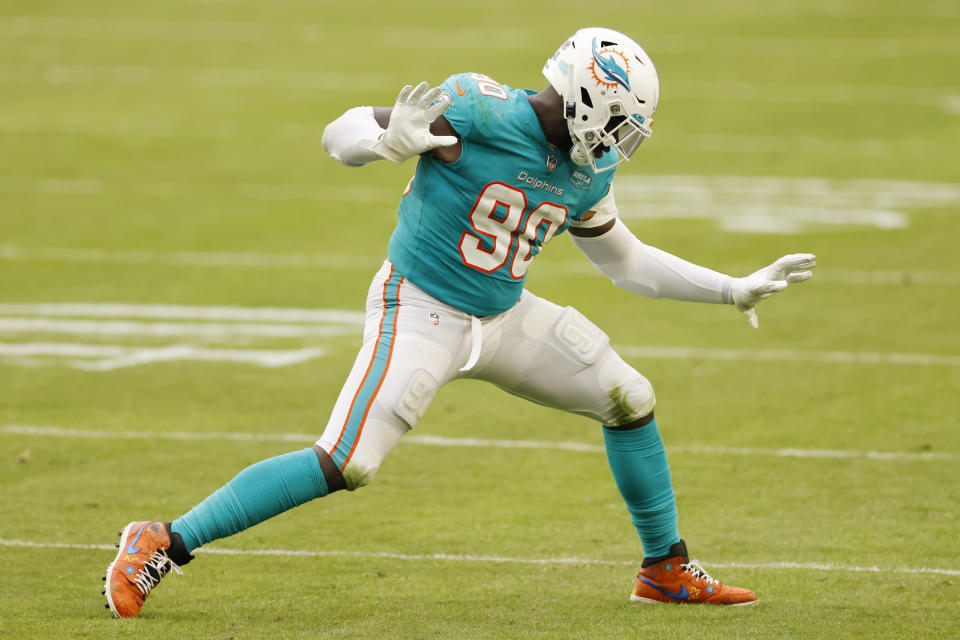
[(557, 357), (622, 394)]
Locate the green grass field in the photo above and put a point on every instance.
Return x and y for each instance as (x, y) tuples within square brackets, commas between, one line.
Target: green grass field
[(166, 157)]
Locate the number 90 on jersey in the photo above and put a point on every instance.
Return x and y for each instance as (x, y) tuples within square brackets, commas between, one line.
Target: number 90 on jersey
[(498, 216)]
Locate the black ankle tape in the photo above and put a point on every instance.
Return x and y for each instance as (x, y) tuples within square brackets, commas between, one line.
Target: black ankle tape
[(676, 549), (177, 551)]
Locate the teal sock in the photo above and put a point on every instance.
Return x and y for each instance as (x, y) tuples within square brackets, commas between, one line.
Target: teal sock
[(257, 493), (639, 464)]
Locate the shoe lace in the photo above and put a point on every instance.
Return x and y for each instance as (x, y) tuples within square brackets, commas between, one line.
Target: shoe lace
[(156, 566), (693, 568)]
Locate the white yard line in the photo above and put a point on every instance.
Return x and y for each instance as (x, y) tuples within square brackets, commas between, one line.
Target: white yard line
[(785, 355), (456, 557), (441, 441), (111, 357), (58, 432), (875, 192), (182, 312), (64, 350), (951, 105), (901, 277), (779, 218), (242, 322), (692, 449), (167, 329), (751, 204)]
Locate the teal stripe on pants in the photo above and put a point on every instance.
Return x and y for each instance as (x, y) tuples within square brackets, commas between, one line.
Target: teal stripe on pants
[(376, 371)]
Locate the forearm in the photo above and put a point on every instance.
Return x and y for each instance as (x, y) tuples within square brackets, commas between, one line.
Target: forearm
[(650, 272), (351, 138)]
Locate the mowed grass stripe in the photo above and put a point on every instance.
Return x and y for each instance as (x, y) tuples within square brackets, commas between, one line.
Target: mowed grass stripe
[(441, 441), (786, 355), (210, 31), (188, 258), (219, 78), (231, 259), (454, 557), (701, 143)]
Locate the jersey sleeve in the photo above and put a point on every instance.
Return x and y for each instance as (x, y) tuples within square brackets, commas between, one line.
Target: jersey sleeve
[(478, 105), (461, 110), (599, 214)]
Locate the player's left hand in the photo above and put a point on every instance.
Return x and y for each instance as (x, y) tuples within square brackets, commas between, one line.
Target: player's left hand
[(748, 291), (408, 133)]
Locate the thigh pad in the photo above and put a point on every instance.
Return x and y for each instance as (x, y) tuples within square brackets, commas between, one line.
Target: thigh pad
[(582, 341), (415, 399)]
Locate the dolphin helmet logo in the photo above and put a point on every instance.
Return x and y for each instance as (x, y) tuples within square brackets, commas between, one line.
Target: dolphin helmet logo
[(608, 70)]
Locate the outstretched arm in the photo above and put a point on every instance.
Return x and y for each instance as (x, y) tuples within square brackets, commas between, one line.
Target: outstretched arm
[(413, 126), (648, 271)]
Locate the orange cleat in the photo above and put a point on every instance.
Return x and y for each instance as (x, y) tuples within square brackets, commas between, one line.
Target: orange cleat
[(140, 564), (684, 581)]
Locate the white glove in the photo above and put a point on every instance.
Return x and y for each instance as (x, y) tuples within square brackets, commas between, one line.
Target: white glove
[(748, 291), (408, 133)]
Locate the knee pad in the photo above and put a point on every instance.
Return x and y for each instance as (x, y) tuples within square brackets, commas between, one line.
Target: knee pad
[(376, 441), (631, 399), (361, 468), (583, 341), (358, 474)]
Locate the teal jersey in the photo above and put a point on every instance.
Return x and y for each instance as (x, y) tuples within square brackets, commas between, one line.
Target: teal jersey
[(468, 230)]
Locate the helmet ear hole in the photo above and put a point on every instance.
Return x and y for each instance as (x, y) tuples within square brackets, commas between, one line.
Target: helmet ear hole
[(584, 117), (585, 97)]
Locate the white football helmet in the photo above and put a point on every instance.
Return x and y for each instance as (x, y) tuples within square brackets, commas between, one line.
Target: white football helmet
[(610, 90)]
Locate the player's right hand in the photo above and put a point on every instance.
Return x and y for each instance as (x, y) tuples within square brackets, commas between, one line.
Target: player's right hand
[(748, 291), (408, 133)]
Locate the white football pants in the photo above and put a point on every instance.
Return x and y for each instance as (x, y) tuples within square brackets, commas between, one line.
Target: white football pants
[(413, 344)]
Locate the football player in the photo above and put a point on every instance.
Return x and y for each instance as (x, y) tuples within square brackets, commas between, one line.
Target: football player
[(501, 172)]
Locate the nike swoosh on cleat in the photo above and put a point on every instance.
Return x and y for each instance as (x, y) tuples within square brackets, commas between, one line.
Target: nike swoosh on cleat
[(130, 549), (683, 594)]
